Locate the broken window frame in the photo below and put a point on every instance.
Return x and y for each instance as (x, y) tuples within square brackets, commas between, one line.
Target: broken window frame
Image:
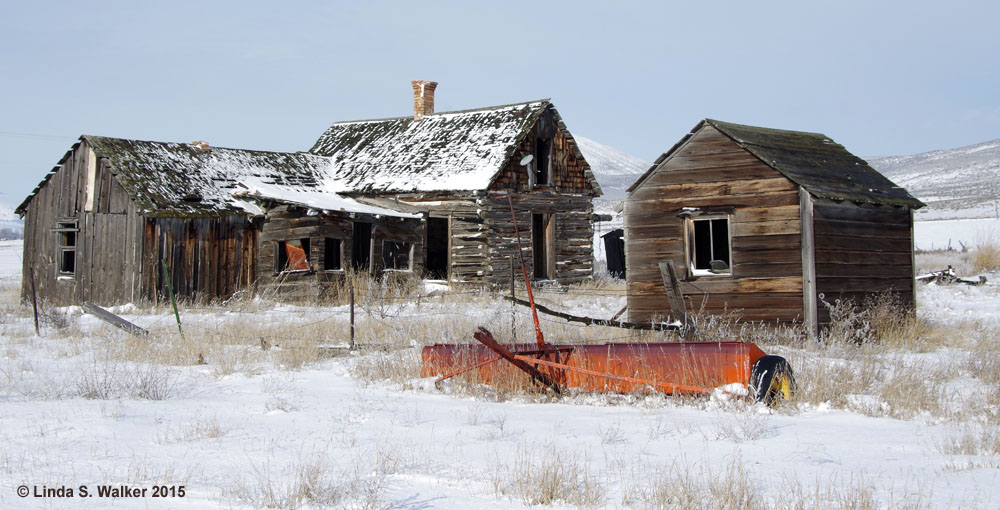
[(540, 171), (67, 238), (402, 249), (711, 219), (281, 261)]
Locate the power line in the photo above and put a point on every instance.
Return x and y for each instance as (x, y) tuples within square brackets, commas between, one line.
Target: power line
[(36, 136)]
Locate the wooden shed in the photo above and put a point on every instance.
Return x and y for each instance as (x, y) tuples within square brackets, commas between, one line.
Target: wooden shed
[(767, 223), (460, 169)]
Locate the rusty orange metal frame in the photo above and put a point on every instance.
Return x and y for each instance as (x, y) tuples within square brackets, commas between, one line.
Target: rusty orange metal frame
[(668, 367)]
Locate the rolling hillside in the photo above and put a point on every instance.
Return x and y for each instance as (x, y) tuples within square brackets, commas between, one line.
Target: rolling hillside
[(954, 183), (614, 169)]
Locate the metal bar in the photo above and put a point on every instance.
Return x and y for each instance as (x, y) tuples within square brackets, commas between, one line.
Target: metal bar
[(539, 338), (486, 338), (672, 387), (466, 369), (173, 301)]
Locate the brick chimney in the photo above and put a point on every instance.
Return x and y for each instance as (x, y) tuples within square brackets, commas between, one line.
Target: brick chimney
[(423, 98)]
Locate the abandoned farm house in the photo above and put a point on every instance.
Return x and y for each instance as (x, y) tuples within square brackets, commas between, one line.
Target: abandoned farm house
[(426, 194), (765, 222), (459, 169)]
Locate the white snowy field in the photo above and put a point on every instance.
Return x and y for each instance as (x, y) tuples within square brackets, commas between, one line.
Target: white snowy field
[(262, 424), (945, 234)]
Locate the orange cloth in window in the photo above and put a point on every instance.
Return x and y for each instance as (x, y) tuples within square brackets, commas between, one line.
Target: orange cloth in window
[(296, 256)]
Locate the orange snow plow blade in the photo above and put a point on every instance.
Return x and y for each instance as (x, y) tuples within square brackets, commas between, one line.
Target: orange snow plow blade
[(668, 367)]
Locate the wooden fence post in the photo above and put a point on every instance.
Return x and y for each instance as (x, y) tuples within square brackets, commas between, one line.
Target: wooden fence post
[(513, 311), (34, 298), (354, 345)]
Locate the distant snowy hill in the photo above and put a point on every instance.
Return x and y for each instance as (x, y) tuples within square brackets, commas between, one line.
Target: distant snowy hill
[(614, 169), (954, 183), (9, 221)]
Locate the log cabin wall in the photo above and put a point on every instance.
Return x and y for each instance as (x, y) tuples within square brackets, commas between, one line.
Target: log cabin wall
[(83, 197), (284, 223), (468, 243), (573, 230), (712, 172), (862, 250), (567, 196), (209, 259)]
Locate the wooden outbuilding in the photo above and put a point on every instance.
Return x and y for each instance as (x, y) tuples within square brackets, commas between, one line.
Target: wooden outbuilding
[(768, 223)]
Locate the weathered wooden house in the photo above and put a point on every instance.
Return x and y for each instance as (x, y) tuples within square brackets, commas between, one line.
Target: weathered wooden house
[(102, 224), (766, 222), (426, 194), (460, 169)]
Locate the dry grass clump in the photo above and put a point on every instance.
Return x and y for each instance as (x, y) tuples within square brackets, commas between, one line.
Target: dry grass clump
[(10, 302), (986, 256), (196, 430), (311, 483), (679, 488), (883, 319), (545, 479), (105, 379)]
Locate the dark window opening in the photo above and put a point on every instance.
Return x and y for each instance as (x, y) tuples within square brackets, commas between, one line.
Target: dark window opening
[(66, 235), (395, 255), (543, 153), (542, 245), (361, 245), (710, 250), (331, 254), (292, 255), (437, 248)]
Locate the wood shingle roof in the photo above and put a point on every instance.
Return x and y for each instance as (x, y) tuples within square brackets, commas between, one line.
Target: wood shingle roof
[(821, 166), (447, 151)]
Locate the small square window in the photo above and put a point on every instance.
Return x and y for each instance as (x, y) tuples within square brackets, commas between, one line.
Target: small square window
[(396, 255), (292, 255), (709, 246)]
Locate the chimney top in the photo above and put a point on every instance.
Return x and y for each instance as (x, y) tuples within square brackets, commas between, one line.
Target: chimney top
[(423, 98), (203, 145)]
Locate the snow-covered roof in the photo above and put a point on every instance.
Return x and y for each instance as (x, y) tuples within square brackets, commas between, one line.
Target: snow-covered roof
[(448, 151), (319, 200), (179, 179)]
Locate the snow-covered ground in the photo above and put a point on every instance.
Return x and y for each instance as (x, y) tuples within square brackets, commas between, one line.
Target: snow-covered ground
[(254, 429), (10, 262), (953, 234)]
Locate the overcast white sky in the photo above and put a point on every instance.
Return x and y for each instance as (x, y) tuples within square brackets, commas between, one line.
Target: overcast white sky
[(882, 78)]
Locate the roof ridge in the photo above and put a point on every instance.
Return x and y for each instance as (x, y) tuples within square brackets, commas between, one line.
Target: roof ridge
[(469, 110), (213, 147), (716, 122)]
